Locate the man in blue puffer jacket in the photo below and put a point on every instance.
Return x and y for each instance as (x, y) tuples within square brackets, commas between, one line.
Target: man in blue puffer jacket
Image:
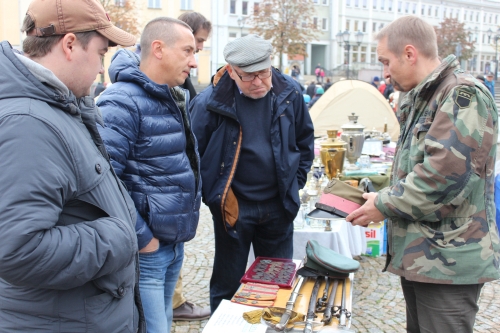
[(256, 144), (153, 150)]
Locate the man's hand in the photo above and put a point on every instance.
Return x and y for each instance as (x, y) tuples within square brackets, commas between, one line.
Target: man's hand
[(151, 247), (366, 213)]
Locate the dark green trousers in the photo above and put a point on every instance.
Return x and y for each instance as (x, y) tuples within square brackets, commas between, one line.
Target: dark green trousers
[(440, 308)]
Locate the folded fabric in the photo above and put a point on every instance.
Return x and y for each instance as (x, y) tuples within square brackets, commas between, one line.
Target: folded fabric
[(324, 259)]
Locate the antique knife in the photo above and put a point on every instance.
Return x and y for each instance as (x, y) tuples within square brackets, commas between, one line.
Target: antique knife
[(289, 305), (312, 307)]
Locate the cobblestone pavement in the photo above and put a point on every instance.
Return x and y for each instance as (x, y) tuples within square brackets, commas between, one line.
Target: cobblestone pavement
[(378, 299)]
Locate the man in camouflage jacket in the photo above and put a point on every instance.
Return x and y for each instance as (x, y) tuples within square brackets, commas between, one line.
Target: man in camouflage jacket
[(442, 237)]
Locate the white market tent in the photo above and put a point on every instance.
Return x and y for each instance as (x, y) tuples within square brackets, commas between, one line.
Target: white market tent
[(343, 98)]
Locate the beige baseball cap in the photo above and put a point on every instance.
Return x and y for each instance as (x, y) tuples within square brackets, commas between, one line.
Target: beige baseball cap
[(59, 17)]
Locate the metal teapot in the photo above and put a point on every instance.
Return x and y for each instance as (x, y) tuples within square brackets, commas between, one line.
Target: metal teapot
[(353, 134)]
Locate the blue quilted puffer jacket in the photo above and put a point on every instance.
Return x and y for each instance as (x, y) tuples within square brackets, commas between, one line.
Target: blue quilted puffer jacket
[(153, 150)]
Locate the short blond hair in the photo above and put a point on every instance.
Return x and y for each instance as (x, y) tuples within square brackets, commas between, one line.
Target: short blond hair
[(410, 30)]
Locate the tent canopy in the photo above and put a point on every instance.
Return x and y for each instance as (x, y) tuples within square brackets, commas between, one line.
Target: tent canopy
[(343, 98)]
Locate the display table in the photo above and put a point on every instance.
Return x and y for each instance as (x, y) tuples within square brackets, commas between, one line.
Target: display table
[(228, 318), (344, 238)]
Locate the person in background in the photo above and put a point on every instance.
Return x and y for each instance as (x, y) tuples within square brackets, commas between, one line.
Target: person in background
[(382, 87), (321, 75), (99, 88), (480, 78), (375, 82), (68, 254), (442, 238), (317, 95), (490, 83), (311, 89), (153, 150), (317, 72), (201, 30), (327, 84), (294, 73), (255, 140), (389, 88), (182, 308)]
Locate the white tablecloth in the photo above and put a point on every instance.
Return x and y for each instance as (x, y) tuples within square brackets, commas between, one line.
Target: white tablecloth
[(344, 238)]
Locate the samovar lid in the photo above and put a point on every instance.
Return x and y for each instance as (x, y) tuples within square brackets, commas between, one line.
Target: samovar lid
[(333, 141), (353, 124)]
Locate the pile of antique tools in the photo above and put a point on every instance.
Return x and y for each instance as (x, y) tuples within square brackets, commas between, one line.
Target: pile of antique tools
[(324, 304)]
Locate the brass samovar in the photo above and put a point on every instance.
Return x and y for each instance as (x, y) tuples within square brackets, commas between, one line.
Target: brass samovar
[(332, 154)]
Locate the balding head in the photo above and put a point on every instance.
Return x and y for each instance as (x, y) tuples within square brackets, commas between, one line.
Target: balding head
[(165, 29)]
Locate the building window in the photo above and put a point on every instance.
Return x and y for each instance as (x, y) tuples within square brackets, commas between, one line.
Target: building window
[(154, 3), (324, 24), (315, 22), (414, 10), (382, 4), (436, 12), (496, 19), (186, 4), (477, 17), (491, 18), (365, 3), (423, 10), (347, 25), (374, 2), (232, 7), (389, 6), (244, 8), (232, 35), (374, 27), (256, 8), (356, 3), (325, 2), (120, 3), (407, 7), (304, 23), (364, 26), (356, 26), (400, 6), (348, 3)]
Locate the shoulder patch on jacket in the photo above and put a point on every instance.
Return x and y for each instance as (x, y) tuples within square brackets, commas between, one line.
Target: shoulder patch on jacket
[(463, 99)]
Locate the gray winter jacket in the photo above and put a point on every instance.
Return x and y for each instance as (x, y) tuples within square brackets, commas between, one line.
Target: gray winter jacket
[(68, 253)]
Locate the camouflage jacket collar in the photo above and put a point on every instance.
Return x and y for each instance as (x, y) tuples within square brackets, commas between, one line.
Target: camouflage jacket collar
[(449, 64)]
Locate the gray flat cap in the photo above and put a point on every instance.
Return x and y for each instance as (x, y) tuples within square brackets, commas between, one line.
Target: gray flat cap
[(251, 53)]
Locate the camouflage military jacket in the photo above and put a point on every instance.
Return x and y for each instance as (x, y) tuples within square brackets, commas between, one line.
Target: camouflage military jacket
[(440, 205)]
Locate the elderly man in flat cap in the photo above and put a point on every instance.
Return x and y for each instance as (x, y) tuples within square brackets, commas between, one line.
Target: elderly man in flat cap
[(255, 140)]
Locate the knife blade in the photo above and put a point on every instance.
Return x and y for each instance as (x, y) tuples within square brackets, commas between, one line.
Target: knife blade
[(289, 305)]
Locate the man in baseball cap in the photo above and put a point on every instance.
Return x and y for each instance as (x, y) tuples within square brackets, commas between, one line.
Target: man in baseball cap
[(255, 140), (68, 255)]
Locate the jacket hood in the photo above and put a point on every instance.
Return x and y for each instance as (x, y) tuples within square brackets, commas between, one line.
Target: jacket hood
[(17, 81), (125, 68)]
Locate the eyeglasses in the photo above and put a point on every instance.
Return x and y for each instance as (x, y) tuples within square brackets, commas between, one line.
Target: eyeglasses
[(251, 77)]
